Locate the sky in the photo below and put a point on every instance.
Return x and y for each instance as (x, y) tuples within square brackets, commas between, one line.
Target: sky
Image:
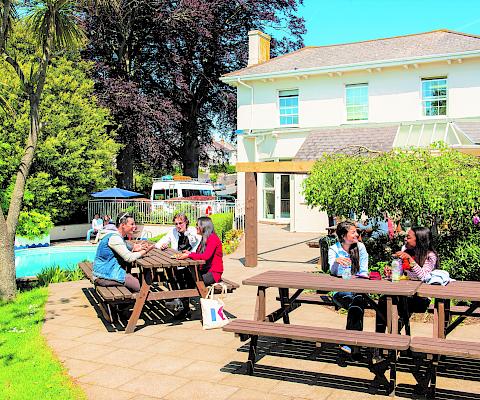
[(345, 21)]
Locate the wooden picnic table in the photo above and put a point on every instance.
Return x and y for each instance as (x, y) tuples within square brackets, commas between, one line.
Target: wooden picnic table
[(459, 290), (285, 280), (149, 264)]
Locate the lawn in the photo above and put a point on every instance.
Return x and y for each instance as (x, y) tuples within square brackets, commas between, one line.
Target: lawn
[(28, 368)]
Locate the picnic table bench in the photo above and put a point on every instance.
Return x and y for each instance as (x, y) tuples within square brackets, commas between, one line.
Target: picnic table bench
[(429, 350), (264, 325), (112, 296)]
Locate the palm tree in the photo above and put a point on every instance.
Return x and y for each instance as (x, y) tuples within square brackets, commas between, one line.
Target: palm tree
[(54, 23)]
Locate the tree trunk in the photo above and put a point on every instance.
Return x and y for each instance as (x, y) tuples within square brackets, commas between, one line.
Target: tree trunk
[(190, 157), (125, 166), (8, 287)]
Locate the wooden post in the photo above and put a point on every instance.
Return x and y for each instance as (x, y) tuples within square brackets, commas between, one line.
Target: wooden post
[(251, 234)]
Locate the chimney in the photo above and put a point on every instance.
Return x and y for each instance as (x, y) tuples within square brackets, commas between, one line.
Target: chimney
[(258, 47)]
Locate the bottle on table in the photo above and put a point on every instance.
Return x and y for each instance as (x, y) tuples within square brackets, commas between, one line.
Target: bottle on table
[(347, 271), (397, 270)]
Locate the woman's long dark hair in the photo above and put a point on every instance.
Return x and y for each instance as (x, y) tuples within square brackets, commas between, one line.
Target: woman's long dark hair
[(424, 245), (342, 230), (206, 228)]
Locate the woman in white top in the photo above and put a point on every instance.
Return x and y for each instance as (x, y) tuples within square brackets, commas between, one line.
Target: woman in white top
[(180, 238), (348, 253)]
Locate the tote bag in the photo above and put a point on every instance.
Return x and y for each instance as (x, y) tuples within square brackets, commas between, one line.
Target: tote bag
[(213, 315)]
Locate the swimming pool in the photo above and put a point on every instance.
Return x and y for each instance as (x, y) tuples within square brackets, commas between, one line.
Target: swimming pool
[(30, 262)]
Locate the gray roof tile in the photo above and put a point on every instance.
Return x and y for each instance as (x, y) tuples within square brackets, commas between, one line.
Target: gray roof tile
[(395, 48)]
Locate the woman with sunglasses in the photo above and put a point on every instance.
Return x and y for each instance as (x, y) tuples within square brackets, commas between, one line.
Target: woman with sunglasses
[(209, 250), (114, 253)]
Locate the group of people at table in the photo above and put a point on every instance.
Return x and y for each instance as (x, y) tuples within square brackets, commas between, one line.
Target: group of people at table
[(419, 259), (114, 254)]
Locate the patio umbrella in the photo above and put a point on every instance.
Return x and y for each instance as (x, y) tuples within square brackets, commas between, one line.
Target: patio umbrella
[(116, 193)]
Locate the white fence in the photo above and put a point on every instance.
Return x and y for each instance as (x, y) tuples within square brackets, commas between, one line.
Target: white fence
[(162, 212)]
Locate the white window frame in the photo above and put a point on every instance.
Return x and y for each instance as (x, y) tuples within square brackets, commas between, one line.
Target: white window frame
[(278, 108), (360, 84), (422, 101)]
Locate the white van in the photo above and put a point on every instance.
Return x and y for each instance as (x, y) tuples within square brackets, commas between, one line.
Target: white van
[(171, 187)]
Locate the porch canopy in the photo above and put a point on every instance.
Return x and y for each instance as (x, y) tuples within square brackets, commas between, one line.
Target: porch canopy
[(463, 135)]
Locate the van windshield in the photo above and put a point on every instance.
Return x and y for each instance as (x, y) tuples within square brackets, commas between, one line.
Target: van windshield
[(165, 194)]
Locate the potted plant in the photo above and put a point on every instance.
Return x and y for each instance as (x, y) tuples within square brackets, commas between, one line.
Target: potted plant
[(33, 230)]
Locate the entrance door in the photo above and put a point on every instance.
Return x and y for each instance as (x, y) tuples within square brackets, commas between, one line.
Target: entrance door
[(269, 196), (284, 196)]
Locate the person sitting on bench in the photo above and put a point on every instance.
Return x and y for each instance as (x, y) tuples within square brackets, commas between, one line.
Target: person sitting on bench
[(113, 254), (349, 257), (419, 260), (180, 237), (210, 250)]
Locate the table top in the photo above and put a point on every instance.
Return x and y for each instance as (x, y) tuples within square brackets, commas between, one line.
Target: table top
[(460, 290), (156, 258), (325, 282)]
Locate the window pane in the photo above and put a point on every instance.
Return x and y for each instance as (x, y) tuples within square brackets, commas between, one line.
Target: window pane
[(288, 103), (356, 98), (434, 96)]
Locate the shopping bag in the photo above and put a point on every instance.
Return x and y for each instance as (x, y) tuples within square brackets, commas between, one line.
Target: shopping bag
[(213, 314)]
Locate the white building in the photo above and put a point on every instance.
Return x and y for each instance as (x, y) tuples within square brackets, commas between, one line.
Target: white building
[(393, 92)]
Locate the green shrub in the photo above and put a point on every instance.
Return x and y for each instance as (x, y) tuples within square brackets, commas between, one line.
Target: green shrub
[(380, 249), (33, 224), (222, 223), (55, 274), (189, 209), (232, 240), (464, 261)]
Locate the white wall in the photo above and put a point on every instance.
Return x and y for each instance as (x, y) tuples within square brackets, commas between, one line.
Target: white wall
[(74, 231), (394, 95)]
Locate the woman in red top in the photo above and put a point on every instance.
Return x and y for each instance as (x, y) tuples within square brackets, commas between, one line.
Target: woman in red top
[(209, 249)]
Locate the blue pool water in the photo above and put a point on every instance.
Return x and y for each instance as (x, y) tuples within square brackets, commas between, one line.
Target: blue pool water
[(30, 262)]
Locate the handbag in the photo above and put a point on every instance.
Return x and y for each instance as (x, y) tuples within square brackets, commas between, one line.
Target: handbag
[(213, 315)]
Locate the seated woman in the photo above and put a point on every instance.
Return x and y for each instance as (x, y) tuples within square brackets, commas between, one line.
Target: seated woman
[(419, 259), (209, 250), (348, 252), (113, 253)]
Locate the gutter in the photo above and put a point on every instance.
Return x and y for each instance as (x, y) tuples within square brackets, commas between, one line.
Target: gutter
[(352, 67), (251, 102)]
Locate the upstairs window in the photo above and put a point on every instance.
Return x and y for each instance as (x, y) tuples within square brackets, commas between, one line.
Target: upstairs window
[(434, 96), (356, 98), (288, 105)]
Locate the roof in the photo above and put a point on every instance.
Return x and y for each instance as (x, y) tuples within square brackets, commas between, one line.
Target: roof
[(355, 138), (223, 146), (409, 47)]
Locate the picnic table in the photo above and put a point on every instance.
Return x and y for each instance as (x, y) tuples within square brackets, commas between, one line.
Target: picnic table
[(149, 265), (459, 290), (285, 280)]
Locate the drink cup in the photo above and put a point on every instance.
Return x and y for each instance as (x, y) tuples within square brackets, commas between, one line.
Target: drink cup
[(397, 269)]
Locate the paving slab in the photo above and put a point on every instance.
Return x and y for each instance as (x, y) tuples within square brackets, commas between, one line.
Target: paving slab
[(176, 360)]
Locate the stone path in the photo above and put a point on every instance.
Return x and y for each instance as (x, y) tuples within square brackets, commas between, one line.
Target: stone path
[(181, 361)]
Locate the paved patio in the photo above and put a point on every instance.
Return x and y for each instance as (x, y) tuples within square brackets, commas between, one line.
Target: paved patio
[(174, 360)]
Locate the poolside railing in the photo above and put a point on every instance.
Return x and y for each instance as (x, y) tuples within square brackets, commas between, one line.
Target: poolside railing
[(162, 211)]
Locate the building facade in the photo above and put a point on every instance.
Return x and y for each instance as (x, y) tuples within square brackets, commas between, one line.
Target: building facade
[(381, 94)]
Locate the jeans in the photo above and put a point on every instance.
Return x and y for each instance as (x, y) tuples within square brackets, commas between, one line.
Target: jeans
[(415, 304), (355, 304), (89, 233)]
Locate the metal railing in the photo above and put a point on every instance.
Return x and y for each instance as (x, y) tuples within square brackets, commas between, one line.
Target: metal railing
[(162, 211)]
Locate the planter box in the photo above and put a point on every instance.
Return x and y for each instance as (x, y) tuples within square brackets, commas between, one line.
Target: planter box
[(24, 243)]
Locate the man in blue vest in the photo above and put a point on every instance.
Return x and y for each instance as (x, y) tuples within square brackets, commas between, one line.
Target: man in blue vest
[(113, 253)]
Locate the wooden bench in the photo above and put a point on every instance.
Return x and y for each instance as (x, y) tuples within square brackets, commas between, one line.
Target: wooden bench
[(231, 286), (388, 344), (429, 351), (111, 296)]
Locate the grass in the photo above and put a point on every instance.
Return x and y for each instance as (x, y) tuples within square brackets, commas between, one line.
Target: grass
[(28, 368)]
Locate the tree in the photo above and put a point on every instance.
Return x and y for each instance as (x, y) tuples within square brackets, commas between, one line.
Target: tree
[(171, 54), (428, 186), (77, 154), (54, 25)]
